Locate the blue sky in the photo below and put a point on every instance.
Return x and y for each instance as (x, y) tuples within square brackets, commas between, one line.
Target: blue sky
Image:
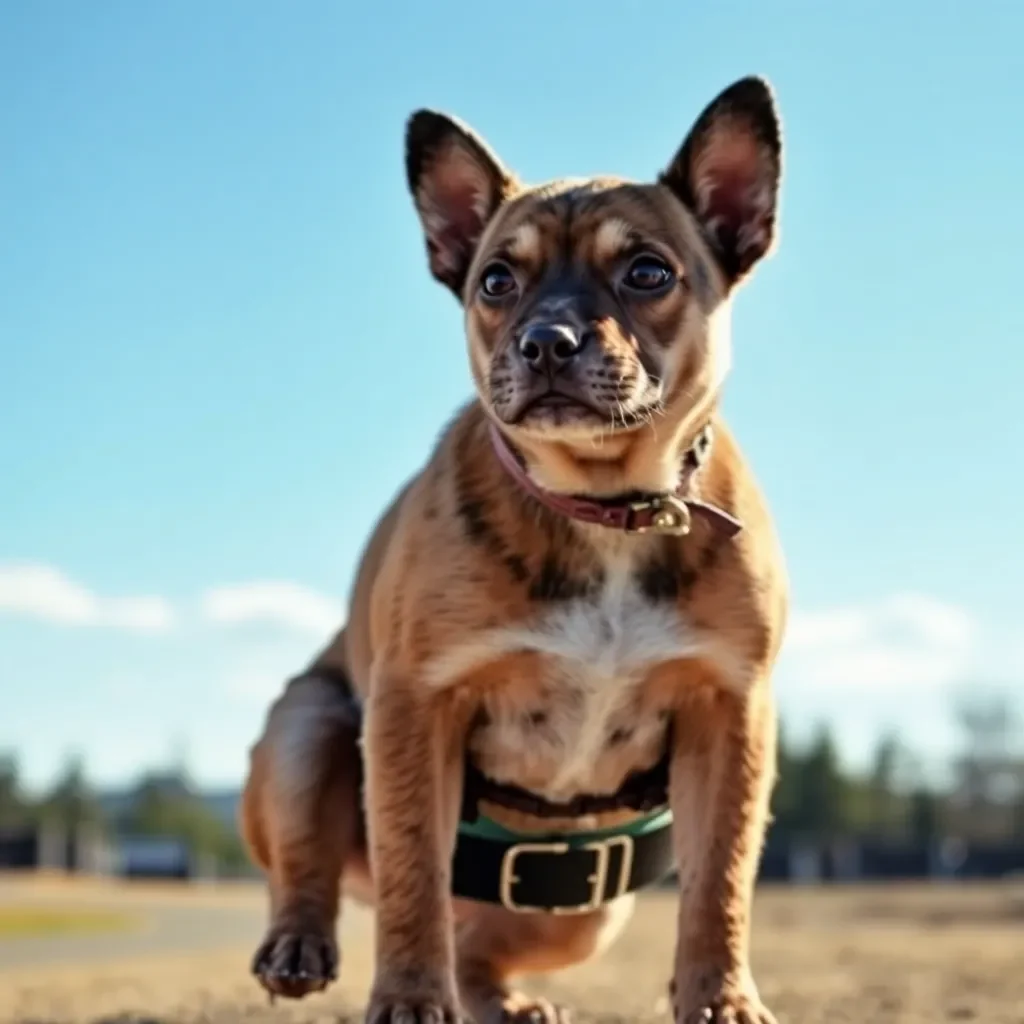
[(221, 351)]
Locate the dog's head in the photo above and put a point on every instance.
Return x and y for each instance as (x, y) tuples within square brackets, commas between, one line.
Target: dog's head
[(598, 309)]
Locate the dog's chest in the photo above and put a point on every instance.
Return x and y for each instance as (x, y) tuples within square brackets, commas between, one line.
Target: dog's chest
[(574, 714)]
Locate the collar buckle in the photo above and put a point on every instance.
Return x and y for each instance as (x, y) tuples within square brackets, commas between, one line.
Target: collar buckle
[(666, 515)]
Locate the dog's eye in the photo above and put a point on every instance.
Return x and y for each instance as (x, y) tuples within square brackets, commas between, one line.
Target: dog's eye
[(648, 273), (497, 281)]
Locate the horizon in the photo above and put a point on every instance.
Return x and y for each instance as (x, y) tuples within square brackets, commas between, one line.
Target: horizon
[(216, 298)]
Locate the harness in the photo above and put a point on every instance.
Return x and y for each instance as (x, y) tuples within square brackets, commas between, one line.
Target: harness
[(562, 872), (556, 872)]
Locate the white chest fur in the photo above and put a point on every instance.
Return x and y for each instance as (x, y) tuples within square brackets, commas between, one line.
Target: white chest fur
[(596, 652)]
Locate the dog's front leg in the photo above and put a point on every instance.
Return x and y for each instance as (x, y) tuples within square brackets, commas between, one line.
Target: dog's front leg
[(722, 772), (413, 788)]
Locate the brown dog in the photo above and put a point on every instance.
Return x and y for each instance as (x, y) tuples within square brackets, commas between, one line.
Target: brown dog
[(561, 633)]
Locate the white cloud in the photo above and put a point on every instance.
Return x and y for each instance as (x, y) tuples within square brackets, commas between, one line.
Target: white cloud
[(899, 663), (42, 592), (273, 602), (905, 641)]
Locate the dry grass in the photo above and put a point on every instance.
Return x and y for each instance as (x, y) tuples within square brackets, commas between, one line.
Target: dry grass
[(889, 956), (25, 922)]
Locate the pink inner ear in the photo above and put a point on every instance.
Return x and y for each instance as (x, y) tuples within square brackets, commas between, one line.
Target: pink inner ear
[(733, 191), (459, 202), (458, 191)]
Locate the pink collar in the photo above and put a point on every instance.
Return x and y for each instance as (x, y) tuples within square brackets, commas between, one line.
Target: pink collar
[(668, 514)]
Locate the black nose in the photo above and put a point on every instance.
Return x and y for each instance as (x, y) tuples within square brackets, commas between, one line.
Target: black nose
[(547, 348)]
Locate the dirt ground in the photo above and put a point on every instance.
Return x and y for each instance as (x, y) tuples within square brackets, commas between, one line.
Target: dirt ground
[(905, 955)]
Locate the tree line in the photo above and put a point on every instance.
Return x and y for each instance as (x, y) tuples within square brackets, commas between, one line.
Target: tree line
[(978, 796), (161, 803)]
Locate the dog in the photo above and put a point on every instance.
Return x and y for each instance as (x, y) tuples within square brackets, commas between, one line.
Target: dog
[(553, 685)]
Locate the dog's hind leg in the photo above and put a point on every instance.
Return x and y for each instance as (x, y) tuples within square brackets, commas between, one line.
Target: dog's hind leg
[(494, 945), (302, 821)]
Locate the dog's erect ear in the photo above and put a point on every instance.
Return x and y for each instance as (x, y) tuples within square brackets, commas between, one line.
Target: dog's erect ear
[(457, 184), (728, 171)]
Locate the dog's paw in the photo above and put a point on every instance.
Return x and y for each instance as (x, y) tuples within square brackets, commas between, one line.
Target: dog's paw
[(703, 1000), (728, 1010), (517, 1008), (411, 1010), (293, 964)]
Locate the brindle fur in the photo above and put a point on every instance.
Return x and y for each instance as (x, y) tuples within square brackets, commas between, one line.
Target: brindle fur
[(558, 656)]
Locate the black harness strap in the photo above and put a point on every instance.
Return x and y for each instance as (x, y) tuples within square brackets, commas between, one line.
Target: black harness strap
[(642, 791), (546, 873)]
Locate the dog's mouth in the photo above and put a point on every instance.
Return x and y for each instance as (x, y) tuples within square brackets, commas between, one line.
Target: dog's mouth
[(564, 407), (554, 400), (554, 404)]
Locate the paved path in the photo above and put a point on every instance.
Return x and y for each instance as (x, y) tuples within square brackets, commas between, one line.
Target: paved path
[(165, 920)]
